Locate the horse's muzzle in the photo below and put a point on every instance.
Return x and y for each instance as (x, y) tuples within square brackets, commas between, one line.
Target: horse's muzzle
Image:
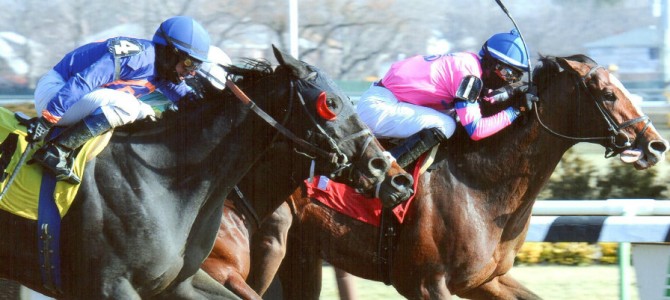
[(395, 190), (647, 153), (653, 153)]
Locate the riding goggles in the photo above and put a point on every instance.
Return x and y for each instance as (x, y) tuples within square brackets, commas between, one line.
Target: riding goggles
[(191, 65), (507, 73)]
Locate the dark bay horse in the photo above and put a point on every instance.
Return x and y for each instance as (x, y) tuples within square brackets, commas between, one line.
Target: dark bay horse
[(262, 190), (471, 212), (149, 206)]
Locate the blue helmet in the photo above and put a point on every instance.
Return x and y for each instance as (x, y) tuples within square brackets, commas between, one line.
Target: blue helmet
[(507, 48), (185, 34)]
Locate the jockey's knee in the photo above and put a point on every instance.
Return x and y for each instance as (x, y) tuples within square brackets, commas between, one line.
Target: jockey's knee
[(447, 126), (119, 107), (118, 115)]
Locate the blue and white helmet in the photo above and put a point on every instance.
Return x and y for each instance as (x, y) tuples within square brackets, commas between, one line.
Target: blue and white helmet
[(185, 34), (507, 48)]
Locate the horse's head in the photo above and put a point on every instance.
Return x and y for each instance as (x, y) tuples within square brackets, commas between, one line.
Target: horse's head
[(600, 109), (322, 125), (356, 156)]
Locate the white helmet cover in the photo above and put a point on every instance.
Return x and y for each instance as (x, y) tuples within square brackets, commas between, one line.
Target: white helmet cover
[(213, 69)]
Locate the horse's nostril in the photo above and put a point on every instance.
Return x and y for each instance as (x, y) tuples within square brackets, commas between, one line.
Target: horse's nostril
[(378, 166), (659, 146), (403, 180)]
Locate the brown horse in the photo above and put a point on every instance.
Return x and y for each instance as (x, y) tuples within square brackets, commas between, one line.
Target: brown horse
[(471, 211)]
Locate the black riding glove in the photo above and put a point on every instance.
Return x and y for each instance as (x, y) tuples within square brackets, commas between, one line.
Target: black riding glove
[(38, 129), (188, 100), (525, 104), (506, 92)]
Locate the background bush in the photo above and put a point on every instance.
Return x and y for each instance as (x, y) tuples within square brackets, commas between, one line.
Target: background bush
[(573, 254), (577, 178)]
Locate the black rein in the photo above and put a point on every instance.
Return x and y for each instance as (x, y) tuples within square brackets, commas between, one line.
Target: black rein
[(614, 128), (337, 157)]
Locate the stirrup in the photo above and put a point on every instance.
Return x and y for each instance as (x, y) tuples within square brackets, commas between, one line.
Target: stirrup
[(66, 175), (55, 164), (70, 178)]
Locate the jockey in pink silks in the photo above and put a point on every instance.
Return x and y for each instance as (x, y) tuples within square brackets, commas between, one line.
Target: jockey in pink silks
[(414, 98)]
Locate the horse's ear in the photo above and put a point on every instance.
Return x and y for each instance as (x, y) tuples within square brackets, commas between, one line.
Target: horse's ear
[(279, 55), (573, 66), (299, 69)]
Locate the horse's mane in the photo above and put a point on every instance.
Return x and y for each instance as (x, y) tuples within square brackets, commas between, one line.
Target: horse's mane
[(549, 67), (213, 102), (251, 69)]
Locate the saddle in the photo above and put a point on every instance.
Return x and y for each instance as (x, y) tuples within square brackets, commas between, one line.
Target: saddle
[(21, 197)]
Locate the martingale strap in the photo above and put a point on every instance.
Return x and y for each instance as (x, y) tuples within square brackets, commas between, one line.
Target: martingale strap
[(48, 235), (385, 246), (48, 232)]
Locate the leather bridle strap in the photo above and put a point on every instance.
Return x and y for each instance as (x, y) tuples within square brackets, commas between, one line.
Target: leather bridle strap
[(333, 157), (613, 127)]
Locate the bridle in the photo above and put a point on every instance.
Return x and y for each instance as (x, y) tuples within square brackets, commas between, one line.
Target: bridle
[(334, 155), (614, 128)]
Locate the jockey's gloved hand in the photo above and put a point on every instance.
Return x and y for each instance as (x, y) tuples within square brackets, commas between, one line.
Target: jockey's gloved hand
[(188, 100), (506, 92), (38, 129), (525, 103)]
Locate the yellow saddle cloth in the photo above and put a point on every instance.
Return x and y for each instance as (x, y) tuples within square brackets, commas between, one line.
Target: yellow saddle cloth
[(22, 197)]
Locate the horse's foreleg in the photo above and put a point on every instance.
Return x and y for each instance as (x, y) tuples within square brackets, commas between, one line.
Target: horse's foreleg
[(268, 248), (501, 287), (345, 285), (199, 286), (238, 286), (300, 272), (430, 286)]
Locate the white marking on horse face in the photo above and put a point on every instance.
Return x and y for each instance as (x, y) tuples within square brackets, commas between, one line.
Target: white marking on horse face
[(635, 99)]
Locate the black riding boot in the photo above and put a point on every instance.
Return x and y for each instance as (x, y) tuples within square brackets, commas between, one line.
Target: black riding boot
[(56, 156), (417, 144)]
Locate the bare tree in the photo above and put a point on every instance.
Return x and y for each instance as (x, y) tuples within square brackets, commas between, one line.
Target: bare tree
[(349, 39)]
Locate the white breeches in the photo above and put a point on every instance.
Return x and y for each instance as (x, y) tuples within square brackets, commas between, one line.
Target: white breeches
[(118, 107), (389, 118)]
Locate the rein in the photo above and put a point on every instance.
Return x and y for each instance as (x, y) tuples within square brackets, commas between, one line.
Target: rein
[(614, 127), (337, 157)]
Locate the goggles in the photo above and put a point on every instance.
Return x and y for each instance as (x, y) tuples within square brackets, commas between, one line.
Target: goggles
[(191, 65), (507, 73)]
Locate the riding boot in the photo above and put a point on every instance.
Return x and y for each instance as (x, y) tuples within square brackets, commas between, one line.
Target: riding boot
[(417, 144), (56, 156)]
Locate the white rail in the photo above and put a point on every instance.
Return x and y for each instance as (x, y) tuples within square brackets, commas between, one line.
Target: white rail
[(611, 207)]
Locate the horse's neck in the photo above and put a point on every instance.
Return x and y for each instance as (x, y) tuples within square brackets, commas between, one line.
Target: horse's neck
[(510, 168), (270, 181), (193, 155)]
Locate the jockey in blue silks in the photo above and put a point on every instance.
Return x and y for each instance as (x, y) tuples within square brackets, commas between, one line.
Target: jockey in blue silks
[(97, 87)]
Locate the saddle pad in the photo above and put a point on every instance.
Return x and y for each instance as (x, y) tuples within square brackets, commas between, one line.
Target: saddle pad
[(345, 200), (21, 198)]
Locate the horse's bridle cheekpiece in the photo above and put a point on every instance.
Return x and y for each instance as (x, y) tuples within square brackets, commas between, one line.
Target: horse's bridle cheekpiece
[(615, 129), (335, 156)]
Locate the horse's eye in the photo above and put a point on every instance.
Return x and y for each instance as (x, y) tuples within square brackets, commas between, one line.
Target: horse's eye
[(609, 96), (327, 108)]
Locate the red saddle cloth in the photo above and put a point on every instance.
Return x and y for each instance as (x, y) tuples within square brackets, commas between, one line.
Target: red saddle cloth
[(345, 200)]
